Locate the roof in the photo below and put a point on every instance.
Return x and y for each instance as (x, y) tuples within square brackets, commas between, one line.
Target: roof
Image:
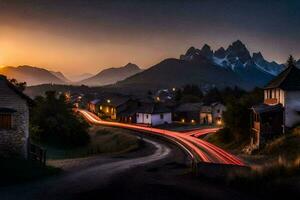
[(95, 101), (263, 108), (110, 100), (153, 108), (16, 90), (289, 79), (7, 110), (206, 109), (186, 107)]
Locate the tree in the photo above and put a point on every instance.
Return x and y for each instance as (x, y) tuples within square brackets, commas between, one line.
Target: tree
[(53, 122), (291, 61), (178, 95), (237, 115), (19, 85)]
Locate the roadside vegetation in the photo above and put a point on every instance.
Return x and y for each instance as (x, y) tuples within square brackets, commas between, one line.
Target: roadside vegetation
[(14, 171), (236, 131), (54, 123), (103, 140)]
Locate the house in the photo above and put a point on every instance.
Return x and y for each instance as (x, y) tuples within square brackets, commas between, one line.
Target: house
[(188, 112), (94, 105), (212, 114), (14, 120), (280, 109), (110, 106), (206, 115), (153, 114), (217, 112)]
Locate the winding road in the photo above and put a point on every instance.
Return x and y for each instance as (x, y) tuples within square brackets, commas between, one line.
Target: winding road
[(89, 174), (200, 150)]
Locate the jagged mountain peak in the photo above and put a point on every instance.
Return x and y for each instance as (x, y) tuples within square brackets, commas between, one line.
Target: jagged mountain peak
[(238, 50), (257, 56), (236, 57), (206, 51), (220, 53)]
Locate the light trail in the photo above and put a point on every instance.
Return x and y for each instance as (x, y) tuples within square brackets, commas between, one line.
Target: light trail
[(201, 150), (201, 132)]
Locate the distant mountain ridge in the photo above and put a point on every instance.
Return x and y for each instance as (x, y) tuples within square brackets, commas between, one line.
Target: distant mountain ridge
[(205, 67), (61, 76), (235, 57), (31, 75), (112, 75)]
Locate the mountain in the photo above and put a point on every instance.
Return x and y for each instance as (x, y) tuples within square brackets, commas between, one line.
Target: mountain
[(31, 75), (61, 76), (112, 75), (81, 77), (223, 67)]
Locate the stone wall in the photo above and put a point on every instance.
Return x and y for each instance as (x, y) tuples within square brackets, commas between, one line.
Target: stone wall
[(14, 142)]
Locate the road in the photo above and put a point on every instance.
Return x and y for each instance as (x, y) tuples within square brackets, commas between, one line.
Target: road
[(200, 150), (86, 174)]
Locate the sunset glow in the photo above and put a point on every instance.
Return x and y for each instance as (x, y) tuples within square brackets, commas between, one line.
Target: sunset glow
[(51, 38)]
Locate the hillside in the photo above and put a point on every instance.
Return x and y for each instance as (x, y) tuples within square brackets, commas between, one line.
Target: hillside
[(208, 68), (31, 75), (111, 75)]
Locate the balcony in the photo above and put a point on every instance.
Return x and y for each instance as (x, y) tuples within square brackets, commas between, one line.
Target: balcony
[(271, 101)]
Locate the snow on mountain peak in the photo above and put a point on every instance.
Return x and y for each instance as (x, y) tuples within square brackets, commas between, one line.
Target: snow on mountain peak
[(236, 56)]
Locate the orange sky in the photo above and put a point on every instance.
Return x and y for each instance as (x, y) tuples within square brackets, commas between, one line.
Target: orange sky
[(75, 37)]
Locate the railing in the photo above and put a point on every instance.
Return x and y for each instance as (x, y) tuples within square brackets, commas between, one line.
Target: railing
[(38, 154)]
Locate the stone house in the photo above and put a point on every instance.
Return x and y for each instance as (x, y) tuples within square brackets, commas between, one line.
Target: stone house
[(14, 120)]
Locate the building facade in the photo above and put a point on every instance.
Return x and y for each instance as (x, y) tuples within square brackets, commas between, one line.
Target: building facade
[(280, 109), (153, 114), (14, 121)]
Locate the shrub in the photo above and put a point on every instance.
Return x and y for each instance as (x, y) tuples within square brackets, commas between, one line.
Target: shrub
[(54, 122)]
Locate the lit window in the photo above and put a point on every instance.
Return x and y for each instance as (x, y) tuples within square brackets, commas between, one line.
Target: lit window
[(100, 107), (5, 121)]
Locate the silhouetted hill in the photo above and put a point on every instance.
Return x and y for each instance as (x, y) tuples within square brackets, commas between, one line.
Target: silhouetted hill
[(61, 76), (31, 75), (111, 75), (208, 68)]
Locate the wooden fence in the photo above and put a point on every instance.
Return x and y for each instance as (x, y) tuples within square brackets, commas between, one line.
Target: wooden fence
[(38, 154)]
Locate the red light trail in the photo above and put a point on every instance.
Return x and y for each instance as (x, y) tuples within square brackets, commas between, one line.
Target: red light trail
[(200, 150)]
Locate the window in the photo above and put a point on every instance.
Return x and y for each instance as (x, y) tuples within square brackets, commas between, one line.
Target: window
[(5, 121), (147, 116), (161, 116)]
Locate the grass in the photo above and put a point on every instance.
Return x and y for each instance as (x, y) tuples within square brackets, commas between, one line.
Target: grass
[(232, 145), (271, 179), (103, 140), (178, 126), (14, 171), (275, 167), (287, 146)]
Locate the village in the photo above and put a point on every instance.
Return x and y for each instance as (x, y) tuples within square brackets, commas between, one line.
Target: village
[(278, 111), (149, 100)]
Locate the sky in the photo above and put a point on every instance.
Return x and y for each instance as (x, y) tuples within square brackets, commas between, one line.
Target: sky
[(79, 36)]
